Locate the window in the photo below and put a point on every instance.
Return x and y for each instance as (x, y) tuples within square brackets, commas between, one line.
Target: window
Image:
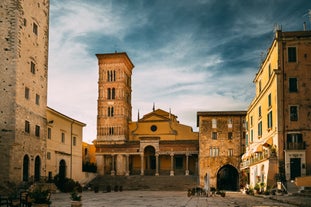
[(294, 138), (111, 75), (214, 123), (230, 152), (27, 126), (252, 136), (293, 85), (111, 131), (260, 128), (251, 121), (63, 137), (259, 111), (229, 135), (26, 93), (269, 71), (48, 155), (214, 151), (110, 111), (35, 28), (49, 133), (214, 135), (111, 93), (269, 100), (292, 56), (32, 67), (37, 131), (293, 113), (229, 123), (25, 22), (74, 141), (37, 99), (269, 118)]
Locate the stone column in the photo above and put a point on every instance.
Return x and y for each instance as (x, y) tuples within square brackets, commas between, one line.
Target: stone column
[(172, 164), (142, 164), (127, 162), (157, 164), (187, 164), (113, 172), (100, 164)]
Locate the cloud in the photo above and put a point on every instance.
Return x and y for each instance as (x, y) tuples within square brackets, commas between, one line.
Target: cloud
[(189, 55)]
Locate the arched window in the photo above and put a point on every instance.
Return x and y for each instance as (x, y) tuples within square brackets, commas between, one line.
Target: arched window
[(37, 168), (110, 111), (26, 168), (62, 170)]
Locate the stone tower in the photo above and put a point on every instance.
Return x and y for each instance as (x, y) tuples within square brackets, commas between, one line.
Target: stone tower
[(24, 28), (114, 108)]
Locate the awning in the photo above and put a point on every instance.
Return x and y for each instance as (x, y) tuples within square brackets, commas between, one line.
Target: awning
[(258, 148), (268, 142)]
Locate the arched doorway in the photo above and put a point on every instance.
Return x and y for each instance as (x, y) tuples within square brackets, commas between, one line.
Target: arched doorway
[(37, 168), (228, 178), (150, 160), (26, 168), (62, 170)]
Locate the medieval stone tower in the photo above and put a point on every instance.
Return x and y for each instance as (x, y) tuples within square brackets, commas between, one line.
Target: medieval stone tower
[(114, 98), (24, 28)]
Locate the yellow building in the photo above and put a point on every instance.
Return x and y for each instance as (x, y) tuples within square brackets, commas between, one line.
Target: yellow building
[(88, 153), (64, 146), (156, 144), (278, 134)]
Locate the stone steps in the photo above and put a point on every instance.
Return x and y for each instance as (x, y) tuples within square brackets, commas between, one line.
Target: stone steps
[(137, 182)]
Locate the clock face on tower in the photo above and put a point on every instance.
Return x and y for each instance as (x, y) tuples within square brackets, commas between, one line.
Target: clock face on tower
[(153, 128)]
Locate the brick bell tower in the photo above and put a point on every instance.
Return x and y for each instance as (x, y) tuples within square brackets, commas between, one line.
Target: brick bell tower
[(114, 108)]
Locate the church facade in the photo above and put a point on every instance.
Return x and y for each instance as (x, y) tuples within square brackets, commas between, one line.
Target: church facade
[(156, 144)]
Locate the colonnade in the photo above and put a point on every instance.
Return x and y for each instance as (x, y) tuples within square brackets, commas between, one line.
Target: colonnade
[(121, 162)]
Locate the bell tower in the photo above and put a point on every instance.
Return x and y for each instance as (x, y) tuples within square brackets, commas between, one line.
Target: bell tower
[(114, 108)]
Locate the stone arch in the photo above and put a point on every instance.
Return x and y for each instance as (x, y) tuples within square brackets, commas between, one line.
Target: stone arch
[(37, 168), (62, 169), (228, 178), (150, 159), (26, 168)]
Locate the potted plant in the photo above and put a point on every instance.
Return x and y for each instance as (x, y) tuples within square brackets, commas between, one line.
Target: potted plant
[(75, 199), (40, 196)]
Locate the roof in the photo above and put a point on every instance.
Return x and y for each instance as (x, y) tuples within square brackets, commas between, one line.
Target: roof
[(219, 113), (66, 117)]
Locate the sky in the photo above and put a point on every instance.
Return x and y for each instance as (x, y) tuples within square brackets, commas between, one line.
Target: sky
[(189, 55)]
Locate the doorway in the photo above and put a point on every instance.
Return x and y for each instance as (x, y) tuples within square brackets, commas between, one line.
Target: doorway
[(295, 168), (228, 178)]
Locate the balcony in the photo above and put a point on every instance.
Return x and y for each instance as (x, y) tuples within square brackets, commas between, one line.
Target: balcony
[(295, 146), (260, 157)]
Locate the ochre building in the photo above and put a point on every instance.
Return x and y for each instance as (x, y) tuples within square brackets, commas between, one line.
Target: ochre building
[(278, 118), (156, 144)]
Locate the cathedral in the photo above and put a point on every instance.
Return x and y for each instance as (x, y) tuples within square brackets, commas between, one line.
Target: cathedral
[(156, 144)]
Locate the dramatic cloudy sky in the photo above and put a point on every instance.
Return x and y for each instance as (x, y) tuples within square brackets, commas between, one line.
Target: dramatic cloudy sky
[(189, 55)]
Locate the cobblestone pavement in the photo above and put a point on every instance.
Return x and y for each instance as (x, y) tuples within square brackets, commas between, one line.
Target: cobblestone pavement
[(164, 199)]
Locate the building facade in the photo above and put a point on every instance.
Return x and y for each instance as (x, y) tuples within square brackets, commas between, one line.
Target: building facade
[(221, 143), (24, 29), (156, 144), (278, 119), (64, 146)]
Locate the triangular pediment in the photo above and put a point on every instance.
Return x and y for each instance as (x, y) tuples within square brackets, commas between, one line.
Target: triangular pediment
[(158, 115)]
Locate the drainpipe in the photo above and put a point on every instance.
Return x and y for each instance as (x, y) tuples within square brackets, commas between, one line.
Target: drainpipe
[(71, 149)]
